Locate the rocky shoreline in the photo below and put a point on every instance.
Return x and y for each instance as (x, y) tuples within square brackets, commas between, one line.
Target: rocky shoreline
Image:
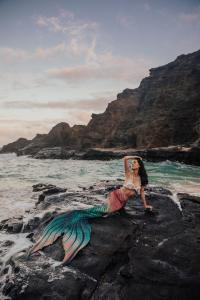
[(188, 155), (132, 253)]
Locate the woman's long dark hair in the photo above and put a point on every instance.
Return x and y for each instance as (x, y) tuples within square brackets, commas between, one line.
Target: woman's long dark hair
[(142, 172)]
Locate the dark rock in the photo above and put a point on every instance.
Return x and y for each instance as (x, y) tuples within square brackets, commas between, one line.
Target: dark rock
[(39, 282), (14, 146), (41, 186), (7, 243), (13, 225), (34, 146), (38, 222), (188, 155), (131, 253), (53, 153), (49, 192)]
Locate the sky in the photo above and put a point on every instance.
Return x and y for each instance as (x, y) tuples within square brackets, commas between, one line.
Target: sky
[(63, 60)]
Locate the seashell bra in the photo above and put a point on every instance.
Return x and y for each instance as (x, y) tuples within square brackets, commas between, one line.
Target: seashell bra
[(130, 185)]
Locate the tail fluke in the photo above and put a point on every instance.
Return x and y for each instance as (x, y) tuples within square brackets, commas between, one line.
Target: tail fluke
[(76, 240), (75, 229), (50, 234)]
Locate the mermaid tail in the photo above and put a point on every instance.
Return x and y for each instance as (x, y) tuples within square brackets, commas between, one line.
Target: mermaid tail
[(74, 226), (75, 229)]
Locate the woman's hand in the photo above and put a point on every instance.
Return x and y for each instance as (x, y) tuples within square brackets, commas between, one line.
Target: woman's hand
[(131, 157), (148, 207), (128, 157)]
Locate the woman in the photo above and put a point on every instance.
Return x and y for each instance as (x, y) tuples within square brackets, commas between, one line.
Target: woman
[(74, 225), (137, 176)]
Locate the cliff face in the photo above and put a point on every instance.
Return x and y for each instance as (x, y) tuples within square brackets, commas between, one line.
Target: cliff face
[(170, 103), (115, 127), (164, 110)]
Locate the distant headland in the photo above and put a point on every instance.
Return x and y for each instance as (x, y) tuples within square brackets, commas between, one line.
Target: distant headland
[(164, 111)]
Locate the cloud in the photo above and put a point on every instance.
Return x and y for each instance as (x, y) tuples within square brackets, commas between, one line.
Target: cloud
[(14, 54), (12, 129), (125, 20), (81, 117), (66, 23), (74, 48), (192, 17), (104, 66), (11, 55), (96, 104), (79, 39), (17, 81), (80, 35)]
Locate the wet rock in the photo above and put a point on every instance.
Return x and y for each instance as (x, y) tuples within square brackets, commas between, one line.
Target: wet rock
[(53, 153), (6, 243), (13, 225), (49, 192), (185, 196), (41, 186), (180, 153), (37, 222), (43, 281), (131, 253)]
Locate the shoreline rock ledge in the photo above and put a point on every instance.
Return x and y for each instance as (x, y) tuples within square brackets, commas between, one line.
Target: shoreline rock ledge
[(188, 155), (132, 254)]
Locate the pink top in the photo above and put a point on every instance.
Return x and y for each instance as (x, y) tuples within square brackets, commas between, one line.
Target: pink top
[(116, 200)]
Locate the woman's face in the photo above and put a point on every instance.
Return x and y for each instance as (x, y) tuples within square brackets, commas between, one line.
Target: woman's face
[(135, 164)]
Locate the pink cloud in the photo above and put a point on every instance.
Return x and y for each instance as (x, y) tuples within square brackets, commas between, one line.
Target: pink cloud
[(81, 117), (96, 104), (105, 66)]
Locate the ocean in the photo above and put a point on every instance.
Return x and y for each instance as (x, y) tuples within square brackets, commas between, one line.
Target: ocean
[(19, 173)]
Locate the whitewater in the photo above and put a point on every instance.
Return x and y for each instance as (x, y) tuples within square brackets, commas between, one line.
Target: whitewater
[(19, 173)]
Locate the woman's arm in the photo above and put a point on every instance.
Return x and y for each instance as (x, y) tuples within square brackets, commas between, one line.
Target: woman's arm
[(126, 166), (142, 196)]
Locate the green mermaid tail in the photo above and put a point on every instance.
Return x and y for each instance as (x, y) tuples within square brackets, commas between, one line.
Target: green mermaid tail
[(74, 226), (75, 229)]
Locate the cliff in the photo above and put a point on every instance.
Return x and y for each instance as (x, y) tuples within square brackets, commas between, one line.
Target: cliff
[(164, 110)]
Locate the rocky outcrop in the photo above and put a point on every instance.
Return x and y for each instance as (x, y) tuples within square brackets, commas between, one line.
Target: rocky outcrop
[(61, 135), (163, 111), (132, 253), (34, 146), (64, 135), (169, 104), (188, 155), (114, 127), (14, 146)]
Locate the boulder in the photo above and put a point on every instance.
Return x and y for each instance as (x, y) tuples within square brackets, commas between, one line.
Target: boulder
[(132, 253)]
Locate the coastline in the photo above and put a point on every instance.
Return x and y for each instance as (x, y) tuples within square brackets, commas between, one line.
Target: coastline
[(187, 155)]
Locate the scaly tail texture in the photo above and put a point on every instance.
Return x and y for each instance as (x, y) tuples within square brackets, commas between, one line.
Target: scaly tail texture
[(75, 229)]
